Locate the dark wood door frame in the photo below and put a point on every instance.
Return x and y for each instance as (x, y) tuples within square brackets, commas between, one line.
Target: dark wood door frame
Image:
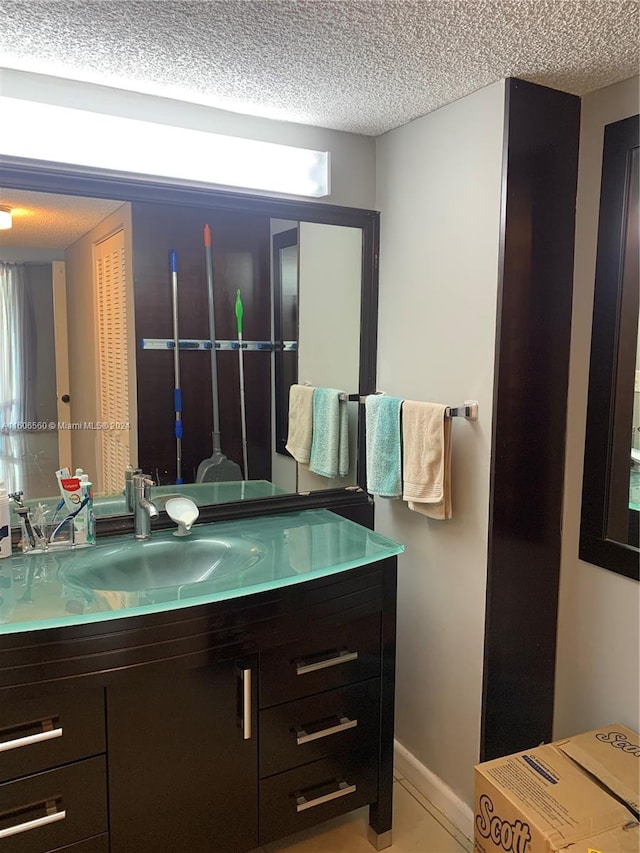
[(285, 363)]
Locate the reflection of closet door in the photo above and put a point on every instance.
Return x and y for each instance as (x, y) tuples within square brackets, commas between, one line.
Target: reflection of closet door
[(113, 361), (62, 361)]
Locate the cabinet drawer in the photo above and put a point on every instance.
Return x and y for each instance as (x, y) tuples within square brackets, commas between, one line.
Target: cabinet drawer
[(313, 793), (51, 730), (318, 726), (55, 808), (323, 661), (97, 844)]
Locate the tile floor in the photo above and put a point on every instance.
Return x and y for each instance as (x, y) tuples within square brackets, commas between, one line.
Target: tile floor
[(418, 828)]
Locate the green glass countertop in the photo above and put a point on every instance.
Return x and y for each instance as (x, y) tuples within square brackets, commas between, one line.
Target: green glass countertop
[(217, 561)]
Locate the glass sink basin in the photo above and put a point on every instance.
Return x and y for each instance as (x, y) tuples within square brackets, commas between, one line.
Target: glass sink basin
[(154, 564)]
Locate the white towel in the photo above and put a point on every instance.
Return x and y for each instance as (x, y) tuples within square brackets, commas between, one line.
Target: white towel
[(426, 441), (300, 422)]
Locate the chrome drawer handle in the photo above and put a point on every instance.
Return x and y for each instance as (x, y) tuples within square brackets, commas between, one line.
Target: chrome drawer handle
[(345, 723), (246, 704), (303, 668), (34, 824), (29, 739), (344, 788)]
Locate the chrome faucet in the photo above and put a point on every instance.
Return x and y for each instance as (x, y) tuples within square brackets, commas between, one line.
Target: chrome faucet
[(143, 508), (129, 474)]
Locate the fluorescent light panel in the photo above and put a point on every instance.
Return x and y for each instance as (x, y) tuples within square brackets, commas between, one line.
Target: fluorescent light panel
[(63, 135)]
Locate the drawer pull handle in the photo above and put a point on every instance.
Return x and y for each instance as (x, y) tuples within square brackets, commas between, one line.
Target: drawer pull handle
[(345, 723), (29, 739), (52, 816), (303, 668), (344, 788), (246, 704)]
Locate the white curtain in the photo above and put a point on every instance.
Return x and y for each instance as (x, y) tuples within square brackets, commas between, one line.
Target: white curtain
[(17, 359)]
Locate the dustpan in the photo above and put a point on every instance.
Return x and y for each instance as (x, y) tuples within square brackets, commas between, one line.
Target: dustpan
[(216, 468)]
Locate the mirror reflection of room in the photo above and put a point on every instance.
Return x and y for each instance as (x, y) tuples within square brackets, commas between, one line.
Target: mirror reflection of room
[(62, 258), (633, 252), (87, 369)]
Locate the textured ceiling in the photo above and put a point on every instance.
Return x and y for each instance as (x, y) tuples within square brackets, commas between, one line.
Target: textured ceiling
[(47, 221), (353, 65)]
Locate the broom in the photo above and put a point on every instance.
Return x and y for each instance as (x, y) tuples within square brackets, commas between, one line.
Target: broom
[(216, 468)]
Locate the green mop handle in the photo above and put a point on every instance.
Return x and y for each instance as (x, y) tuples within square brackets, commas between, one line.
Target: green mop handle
[(239, 313)]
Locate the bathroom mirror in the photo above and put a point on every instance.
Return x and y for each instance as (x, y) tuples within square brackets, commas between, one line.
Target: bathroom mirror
[(94, 330), (611, 483)]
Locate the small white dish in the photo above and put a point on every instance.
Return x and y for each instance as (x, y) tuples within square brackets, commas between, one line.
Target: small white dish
[(184, 512)]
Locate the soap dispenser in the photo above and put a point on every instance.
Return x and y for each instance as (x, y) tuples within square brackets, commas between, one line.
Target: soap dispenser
[(5, 526)]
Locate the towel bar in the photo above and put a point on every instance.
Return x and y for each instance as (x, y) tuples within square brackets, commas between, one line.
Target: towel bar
[(468, 410)]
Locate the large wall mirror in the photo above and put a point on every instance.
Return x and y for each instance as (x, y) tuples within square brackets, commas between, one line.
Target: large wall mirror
[(87, 368), (611, 491)]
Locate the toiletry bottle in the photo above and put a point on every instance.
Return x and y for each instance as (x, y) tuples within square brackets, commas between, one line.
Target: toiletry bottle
[(86, 515), (72, 493), (5, 524)]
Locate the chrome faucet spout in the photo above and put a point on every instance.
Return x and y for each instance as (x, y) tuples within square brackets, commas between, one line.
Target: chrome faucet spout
[(143, 507), (149, 507)]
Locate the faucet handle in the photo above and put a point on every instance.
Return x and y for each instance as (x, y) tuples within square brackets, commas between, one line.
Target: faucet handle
[(145, 479)]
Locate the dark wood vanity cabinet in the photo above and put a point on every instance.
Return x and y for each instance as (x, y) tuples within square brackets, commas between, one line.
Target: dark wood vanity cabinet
[(210, 729), (53, 788), (319, 727), (182, 761)]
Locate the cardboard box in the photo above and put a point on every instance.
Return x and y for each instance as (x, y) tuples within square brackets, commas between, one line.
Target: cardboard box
[(622, 840), (576, 795)]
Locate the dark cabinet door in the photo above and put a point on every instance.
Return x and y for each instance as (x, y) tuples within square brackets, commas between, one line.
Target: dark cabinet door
[(183, 762)]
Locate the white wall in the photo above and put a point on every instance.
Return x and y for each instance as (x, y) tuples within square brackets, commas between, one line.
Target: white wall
[(438, 189), (22, 255), (352, 156), (598, 657), (329, 291)]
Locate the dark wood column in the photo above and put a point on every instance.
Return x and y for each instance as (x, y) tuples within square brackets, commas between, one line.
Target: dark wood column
[(530, 403)]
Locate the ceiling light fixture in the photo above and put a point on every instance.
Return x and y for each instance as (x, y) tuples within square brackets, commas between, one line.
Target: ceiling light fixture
[(109, 142), (6, 220)]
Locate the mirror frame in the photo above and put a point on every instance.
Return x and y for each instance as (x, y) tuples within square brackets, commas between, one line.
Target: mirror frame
[(44, 176), (606, 344), (282, 240)]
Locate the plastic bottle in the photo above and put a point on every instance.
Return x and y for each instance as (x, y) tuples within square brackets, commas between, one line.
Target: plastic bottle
[(5, 523), (85, 523)]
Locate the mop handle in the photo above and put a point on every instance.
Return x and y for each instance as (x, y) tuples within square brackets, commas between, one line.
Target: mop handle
[(243, 414), (177, 391), (212, 329)]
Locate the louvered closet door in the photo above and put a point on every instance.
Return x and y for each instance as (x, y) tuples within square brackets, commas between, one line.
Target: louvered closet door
[(113, 402)]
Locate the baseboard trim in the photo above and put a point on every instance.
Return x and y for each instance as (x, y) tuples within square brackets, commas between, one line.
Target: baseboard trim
[(434, 789)]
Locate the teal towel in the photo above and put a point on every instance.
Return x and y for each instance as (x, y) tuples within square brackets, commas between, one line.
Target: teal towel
[(384, 457), (330, 442)]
